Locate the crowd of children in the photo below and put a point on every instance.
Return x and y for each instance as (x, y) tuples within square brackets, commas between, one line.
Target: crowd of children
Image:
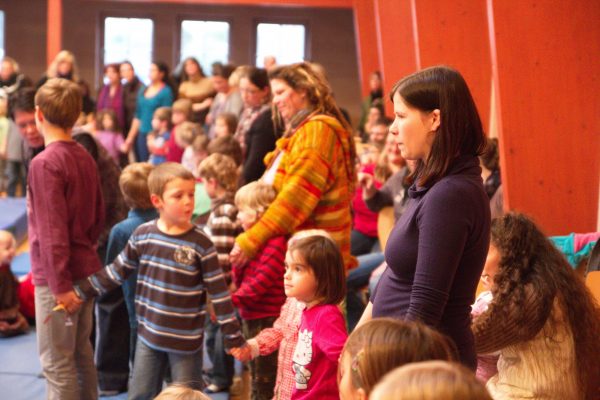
[(282, 310)]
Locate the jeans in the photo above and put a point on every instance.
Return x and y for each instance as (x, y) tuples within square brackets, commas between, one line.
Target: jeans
[(223, 370), (65, 349), (264, 368), (357, 279), (150, 366), (129, 296), (361, 244), (15, 175), (141, 147)]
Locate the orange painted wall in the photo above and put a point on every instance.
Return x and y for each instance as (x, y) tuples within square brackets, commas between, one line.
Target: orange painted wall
[(455, 33), (549, 91), (366, 37), (396, 41), (54, 38)]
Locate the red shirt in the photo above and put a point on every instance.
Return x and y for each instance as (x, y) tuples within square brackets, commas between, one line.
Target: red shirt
[(174, 152), (65, 213), (260, 292), (365, 220)]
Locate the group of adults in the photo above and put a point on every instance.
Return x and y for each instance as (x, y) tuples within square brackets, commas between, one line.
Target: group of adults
[(436, 252)]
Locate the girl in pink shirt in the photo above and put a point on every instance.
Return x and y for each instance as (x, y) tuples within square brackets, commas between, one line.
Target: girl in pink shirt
[(315, 276)]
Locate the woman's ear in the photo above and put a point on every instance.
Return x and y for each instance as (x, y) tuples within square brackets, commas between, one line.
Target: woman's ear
[(435, 119)]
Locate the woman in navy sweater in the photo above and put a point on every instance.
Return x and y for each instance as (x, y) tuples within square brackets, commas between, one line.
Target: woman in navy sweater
[(436, 251)]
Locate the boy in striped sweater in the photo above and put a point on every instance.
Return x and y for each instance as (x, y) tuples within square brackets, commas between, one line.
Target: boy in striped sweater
[(177, 266), (260, 293), (220, 176)]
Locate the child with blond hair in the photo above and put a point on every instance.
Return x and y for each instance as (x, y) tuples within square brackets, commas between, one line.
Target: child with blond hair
[(177, 268), (259, 295), (383, 344), (195, 152), (430, 380), (181, 112)]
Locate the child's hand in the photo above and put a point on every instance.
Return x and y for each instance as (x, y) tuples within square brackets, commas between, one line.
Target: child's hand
[(367, 183), (242, 354), (125, 147), (237, 255), (69, 300)]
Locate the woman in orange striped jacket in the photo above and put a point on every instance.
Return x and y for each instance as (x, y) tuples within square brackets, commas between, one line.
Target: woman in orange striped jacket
[(312, 166)]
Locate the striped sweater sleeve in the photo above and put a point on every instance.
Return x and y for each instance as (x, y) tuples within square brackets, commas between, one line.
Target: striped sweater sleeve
[(113, 275), (221, 300), (253, 288), (223, 229), (308, 176)]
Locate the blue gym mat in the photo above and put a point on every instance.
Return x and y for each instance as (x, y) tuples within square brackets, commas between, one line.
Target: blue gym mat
[(13, 216)]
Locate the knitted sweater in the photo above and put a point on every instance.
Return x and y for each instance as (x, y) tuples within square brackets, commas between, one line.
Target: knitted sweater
[(315, 184)]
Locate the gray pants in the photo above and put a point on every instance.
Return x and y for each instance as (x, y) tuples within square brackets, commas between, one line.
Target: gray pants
[(65, 349)]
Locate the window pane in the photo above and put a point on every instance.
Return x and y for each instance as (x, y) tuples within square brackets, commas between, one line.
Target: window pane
[(207, 41), (284, 41), (129, 39)]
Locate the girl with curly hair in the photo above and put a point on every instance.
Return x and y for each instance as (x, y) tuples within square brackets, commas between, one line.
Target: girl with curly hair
[(542, 318)]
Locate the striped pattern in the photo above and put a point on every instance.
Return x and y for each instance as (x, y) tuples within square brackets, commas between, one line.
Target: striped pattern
[(260, 291), (315, 184), (223, 227), (175, 273)]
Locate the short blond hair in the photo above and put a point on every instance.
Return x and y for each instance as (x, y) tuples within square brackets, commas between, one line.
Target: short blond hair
[(60, 102), (183, 106), (181, 392), (222, 169), (256, 196), (165, 173), (200, 143), (430, 380), (133, 183), (188, 131)]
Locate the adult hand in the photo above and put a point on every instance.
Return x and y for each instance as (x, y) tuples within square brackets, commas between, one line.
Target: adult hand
[(367, 183), (237, 255), (125, 147), (69, 300), (242, 354)]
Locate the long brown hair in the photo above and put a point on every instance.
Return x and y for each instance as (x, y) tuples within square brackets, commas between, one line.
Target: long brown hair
[(530, 266), (383, 344), (460, 131)]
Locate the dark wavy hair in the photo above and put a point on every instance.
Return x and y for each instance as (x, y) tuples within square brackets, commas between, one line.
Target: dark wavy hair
[(184, 75), (531, 267), (460, 131)]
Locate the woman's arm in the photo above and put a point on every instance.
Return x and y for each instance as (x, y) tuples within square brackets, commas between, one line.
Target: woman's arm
[(133, 132), (308, 175)]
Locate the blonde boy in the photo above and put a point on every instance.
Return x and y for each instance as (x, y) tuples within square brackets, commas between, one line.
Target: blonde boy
[(66, 217), (181, 112), (177, 266), (260, 293)]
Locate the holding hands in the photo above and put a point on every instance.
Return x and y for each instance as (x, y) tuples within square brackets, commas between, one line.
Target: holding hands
[(242, 354), (69, 301)]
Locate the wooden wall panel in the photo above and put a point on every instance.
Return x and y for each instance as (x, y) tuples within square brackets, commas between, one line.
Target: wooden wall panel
[(455, 33), (549, 91), (366, 41)]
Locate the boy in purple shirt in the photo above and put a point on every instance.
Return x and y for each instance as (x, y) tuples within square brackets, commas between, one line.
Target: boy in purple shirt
[(65, 216)]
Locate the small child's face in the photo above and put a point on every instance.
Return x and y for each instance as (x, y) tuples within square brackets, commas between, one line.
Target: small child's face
[(107, 123), (299, 280), (157, 124), (177, 202), (247, 217), (177, 117), (221, 128), (7, 248), (490, 269)]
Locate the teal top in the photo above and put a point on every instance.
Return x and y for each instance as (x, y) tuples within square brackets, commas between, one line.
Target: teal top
[(147, 105)]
